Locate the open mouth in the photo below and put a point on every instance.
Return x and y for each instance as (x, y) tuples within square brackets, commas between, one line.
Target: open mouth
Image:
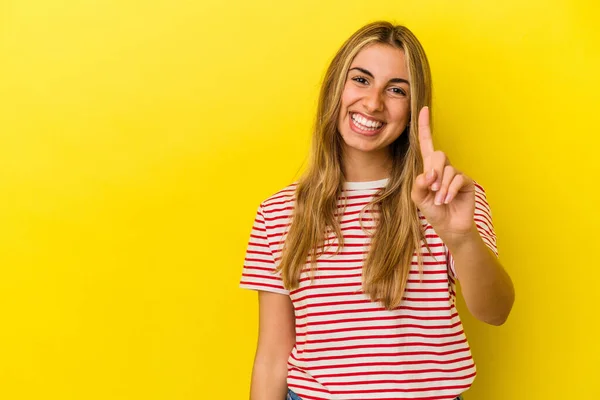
[(359, 123)]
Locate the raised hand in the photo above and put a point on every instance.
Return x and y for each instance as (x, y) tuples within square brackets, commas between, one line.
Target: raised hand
[(445, 196)]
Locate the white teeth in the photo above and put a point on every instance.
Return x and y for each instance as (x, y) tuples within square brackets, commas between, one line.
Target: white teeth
[(366, 123)]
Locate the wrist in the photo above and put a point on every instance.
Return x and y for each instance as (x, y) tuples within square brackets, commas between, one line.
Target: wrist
[(458, 241)]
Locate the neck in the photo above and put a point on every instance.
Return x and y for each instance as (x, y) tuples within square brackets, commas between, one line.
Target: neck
[(362, 166)]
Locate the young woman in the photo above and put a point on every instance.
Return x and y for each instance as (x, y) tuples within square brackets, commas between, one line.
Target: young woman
[(356, 263)]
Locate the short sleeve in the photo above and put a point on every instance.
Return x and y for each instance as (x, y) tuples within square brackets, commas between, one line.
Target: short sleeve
[(483, 221), (259, 264)]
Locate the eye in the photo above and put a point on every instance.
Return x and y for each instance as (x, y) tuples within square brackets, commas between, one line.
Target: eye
[(360, 79), (397, 90)]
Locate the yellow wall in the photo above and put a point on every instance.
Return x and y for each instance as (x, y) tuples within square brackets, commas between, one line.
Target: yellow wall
[(137, 139)]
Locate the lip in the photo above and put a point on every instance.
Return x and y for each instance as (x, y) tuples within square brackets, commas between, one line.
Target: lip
[(356, 129)]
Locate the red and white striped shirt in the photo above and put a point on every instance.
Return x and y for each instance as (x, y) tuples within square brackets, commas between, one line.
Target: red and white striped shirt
[(349, 347)]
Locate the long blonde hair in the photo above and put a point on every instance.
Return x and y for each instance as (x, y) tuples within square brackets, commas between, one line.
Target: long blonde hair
[(398, 231)]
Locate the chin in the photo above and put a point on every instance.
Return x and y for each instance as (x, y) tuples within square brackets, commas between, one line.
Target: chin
[(362, 147)]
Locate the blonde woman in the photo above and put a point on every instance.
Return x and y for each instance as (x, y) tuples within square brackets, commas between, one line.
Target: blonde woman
[(355, 264)]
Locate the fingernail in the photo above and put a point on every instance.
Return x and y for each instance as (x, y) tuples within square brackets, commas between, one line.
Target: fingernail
[(431, 174), (447, 199), (438, 200), (435, 187)]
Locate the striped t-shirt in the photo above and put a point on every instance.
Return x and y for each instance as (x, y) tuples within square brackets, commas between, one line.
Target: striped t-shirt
[(349, 347)]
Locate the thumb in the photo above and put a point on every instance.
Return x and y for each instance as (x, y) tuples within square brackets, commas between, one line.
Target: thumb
[(420, 189)]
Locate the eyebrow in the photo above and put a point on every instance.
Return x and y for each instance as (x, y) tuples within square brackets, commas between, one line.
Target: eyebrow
[(393, 80)]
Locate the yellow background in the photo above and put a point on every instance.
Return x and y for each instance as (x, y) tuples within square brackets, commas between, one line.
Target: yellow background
[(138, 137)]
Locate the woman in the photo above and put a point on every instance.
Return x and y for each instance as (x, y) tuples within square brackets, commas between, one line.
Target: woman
[(356, 262)]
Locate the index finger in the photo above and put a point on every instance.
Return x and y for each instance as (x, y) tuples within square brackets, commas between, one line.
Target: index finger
[(425, 141)]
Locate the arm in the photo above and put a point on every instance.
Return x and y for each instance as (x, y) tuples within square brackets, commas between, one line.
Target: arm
[(276, 338), (447, 199), (486, 287)]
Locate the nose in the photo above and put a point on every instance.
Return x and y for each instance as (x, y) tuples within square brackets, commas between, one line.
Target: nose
[(373, 101)]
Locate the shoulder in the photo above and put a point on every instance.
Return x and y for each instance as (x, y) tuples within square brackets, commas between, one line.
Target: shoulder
[(479, 189), (281, 200), (283, 196), (481, 198)]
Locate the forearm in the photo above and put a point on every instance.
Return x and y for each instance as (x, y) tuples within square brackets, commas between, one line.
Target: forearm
[(486, 287), (269, 380)]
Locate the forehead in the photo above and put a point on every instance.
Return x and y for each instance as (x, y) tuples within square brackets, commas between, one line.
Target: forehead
[(382, 61)]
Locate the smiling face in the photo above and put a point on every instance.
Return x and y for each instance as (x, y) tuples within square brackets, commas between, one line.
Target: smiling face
[(375, 104)]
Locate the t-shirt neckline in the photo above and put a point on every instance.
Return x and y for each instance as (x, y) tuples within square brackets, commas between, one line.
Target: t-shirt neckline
[(378, 184)]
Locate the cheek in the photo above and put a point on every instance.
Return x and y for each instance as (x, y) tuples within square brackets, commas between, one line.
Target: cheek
[(349, 96), (400, 113)]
